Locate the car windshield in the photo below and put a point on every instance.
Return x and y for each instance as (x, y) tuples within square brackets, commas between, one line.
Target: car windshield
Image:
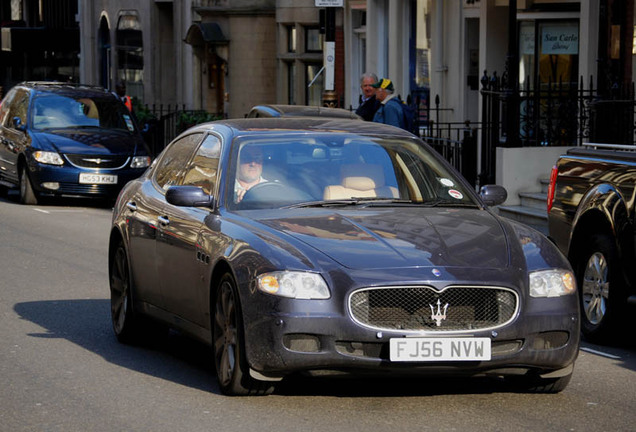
[(339, 170), (52, 111)]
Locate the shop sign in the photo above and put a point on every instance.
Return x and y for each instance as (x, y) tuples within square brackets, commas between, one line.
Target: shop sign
[(526, 40), (559, 39), (329, 3)]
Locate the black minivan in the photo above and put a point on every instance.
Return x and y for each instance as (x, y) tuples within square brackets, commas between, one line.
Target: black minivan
[(61, 139)]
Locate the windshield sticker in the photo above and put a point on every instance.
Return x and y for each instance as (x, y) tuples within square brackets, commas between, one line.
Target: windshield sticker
[(447, 182), (129, 123), (455, 194)]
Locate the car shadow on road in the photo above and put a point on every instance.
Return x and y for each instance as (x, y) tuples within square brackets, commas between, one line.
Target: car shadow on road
[(179, 359), (87, 323)]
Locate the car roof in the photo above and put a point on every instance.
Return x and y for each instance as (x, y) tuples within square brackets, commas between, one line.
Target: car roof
[(306, 124), (63, 88), (281, 110)]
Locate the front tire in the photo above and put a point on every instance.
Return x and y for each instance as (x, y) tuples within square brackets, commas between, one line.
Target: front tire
[(124, 321), (601, 289), (232, 370), (27, 194)]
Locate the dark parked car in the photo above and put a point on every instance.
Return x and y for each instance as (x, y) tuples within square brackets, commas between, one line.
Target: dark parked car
[(591, 219), (300, 111), (67, 140), (331, 246)]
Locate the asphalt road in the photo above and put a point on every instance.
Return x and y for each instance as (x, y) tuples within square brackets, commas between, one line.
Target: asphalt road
[(61, 368)]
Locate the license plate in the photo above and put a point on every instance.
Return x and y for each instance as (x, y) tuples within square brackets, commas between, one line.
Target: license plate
[(439, 349), (87, 178)]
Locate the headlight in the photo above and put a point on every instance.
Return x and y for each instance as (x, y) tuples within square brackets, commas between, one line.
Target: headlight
[(552, 283), (299, 285), (46, 157), (140, 162)]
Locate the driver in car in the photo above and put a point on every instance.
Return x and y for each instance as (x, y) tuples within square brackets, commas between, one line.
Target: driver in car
[(250, 171)]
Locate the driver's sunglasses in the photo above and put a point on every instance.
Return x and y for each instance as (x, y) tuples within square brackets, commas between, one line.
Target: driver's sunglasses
[(249, 158)]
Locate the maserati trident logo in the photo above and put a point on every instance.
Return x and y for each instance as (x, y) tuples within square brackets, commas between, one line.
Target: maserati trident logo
[(438, 316)]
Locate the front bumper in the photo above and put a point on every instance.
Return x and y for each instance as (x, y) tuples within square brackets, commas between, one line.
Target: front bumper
[(67, 180), (299, 336)]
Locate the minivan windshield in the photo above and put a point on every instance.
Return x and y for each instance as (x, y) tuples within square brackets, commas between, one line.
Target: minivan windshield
[(51, 111)]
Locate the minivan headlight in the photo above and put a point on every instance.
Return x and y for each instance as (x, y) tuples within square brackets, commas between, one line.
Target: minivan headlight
[(294, 284), (47, 157), (140, 162), (552, 283)]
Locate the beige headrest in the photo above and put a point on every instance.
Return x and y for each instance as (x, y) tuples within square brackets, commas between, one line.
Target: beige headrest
[(362, 176)]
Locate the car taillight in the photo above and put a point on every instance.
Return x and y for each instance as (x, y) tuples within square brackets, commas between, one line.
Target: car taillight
[(551, 188)]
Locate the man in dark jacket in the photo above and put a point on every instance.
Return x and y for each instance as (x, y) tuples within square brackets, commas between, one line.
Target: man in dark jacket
[(390, 111), (368, 102)]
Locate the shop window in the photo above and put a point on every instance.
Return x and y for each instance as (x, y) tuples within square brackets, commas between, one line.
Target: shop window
[(291, 83), (291, 39), (313, 95), (313, 39)]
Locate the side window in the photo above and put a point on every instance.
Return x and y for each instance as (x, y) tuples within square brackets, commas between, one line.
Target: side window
[(174, 159), (5, 108), (203, 169), (18, 108)]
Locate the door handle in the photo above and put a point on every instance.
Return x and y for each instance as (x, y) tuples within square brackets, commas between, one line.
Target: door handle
[(131, 206), (163, 220)]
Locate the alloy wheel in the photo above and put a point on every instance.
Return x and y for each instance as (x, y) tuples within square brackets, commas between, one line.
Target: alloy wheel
[(595, 288), (226, 335)]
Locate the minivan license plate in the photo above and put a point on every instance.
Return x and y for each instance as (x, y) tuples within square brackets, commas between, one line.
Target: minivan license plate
[(417, 349), (88, 178)]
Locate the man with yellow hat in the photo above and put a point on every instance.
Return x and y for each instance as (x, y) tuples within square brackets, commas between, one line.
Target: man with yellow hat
[(390, 111)]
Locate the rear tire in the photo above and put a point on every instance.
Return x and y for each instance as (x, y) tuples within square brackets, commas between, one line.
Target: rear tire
[(232, 370), (27, 194), (602, 289)]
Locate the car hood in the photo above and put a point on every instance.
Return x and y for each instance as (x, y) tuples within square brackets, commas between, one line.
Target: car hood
[(88, 141), (401, 237)]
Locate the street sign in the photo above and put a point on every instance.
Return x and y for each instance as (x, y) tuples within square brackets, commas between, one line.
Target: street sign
[(329, 3)]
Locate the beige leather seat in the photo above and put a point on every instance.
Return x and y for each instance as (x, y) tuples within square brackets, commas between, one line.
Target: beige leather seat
[(360, 181)]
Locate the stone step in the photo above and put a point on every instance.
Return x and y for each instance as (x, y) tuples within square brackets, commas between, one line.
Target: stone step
[(533, 217), (534, 200), (545, 184)]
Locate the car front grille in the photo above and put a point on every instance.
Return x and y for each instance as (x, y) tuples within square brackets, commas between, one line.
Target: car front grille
[(422, 308), (97, 162)]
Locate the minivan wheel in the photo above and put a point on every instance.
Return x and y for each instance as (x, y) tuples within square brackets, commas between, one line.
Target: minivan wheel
[(27, 194)]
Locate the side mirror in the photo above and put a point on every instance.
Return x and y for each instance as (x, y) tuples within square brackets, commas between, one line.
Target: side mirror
[(493, 195), (188, 196), (17, 124)]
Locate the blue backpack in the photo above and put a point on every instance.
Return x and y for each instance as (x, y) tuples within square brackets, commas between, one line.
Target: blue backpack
[(409, 119)]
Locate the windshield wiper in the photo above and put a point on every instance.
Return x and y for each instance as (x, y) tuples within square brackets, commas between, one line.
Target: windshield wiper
[(378, 202), (352, 201)]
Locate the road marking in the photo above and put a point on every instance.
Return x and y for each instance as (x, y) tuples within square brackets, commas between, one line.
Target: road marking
[(41, 211), (601, 353)]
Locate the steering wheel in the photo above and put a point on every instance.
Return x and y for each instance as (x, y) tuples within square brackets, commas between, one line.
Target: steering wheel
[(271, 195)]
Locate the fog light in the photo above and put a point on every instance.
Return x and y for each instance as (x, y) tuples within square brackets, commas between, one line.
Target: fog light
[(550, 340), (301, 343), (51, 185)]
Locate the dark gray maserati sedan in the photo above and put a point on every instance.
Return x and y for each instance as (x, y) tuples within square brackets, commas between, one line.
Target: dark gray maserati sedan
[(322, 246)]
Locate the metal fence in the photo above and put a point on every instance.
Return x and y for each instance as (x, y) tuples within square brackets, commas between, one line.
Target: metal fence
[(550, 114), (162, 123)]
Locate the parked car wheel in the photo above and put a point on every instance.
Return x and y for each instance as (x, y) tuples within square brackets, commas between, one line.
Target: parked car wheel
[(124, 323), (27, 194), (533, 383), (232, 370), (601, 287)]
